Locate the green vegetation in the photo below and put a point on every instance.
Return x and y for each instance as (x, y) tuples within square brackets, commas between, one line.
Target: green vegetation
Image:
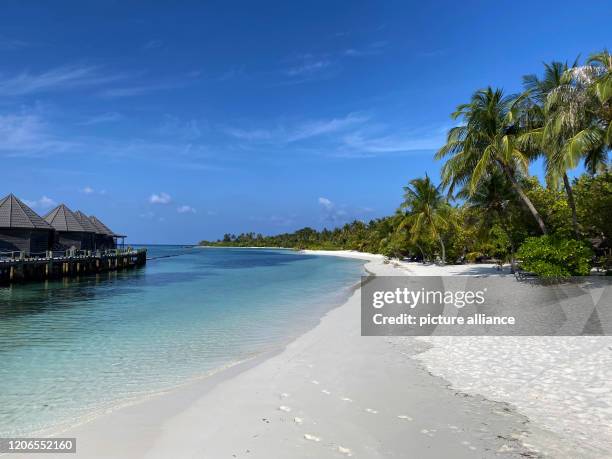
[(487, 205), (555, 257)]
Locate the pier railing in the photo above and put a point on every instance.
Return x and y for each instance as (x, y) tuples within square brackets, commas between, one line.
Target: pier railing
[(24, 267), (65, 254)]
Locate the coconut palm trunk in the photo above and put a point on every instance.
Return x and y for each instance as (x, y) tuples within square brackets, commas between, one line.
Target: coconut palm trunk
[(519, 190), (443, 249), (571, 202)]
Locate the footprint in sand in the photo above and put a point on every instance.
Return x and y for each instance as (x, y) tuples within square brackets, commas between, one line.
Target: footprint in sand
[(284, 408), (312, 438), (315, 382), (326, 392), (371, 411), (405, 418), (343, 450), (298, 420)]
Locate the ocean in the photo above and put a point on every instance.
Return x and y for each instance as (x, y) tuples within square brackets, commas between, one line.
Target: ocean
[(71, 349)]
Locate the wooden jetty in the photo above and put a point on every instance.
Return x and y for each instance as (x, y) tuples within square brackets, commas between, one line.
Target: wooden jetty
[(20, 267)]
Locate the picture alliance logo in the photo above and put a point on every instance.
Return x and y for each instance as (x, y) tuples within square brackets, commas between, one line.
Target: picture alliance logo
[(413, 298)]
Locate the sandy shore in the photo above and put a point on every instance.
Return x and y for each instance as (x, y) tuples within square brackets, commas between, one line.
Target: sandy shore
[(333, 393)]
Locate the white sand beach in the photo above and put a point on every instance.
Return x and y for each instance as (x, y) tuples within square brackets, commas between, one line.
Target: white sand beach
[(332, 393)]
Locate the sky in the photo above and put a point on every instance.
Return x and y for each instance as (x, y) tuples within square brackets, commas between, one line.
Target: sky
[(179, 121)]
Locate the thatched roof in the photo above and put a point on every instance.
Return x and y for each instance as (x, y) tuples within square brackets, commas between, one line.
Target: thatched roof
[(63, 219), (85, 222), (101, 227), (15, 214)]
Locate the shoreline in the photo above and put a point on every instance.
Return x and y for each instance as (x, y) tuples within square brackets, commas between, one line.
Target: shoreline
[(189, 419)]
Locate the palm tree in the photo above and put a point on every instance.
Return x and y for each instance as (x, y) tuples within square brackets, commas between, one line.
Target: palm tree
[(427, 211), (541, 136), (491, 202), (583, 112), (486, 143)]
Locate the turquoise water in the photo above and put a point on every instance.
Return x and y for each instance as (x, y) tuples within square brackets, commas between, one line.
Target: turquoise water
[(71, 348)]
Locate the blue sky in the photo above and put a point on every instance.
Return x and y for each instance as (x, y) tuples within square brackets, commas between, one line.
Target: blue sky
[(174, 123)]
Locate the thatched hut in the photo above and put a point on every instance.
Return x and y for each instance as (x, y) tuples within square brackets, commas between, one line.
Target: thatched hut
[(88, 225), (68, 231), (105, 237), (21, 229)]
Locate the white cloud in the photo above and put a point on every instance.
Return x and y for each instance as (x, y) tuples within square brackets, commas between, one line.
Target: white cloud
[(326, 203), (331, 212), (370, 50), (153, 44), (27, 134), (308, 67), (253, 134), (43, 203), (11, 44), (321, 127), (65, 77), (303, 68), (88, 190), (185, 209), (363, 143), (109, 117), (161, 198), (299, 131), (131, 91), (186, 130)]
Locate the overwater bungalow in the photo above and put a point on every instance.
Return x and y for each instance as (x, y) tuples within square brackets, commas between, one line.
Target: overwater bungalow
[(105, 237), (88, 225), (33, 248), (69, 232), (21, 229)]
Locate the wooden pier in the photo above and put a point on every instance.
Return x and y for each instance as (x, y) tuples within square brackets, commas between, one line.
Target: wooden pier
[(20, 267)]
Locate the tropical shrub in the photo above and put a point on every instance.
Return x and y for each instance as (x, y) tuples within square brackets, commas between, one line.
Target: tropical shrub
[(555, 257)]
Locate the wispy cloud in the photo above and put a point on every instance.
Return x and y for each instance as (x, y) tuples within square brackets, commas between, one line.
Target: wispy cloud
[(309, 67), (362, 143), (382, 139), (185, 130), (356, 134), (276, 220), (109, 117), (372, 49), (326, 203), (331, 213), (283, 133), (11, 44), (28, 135), (249, 134), (43, 203), (161, 198), (321, 127), (90, 191), (59, 78), (433, 53), (153, 44), (185, 209), (138, 90)]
